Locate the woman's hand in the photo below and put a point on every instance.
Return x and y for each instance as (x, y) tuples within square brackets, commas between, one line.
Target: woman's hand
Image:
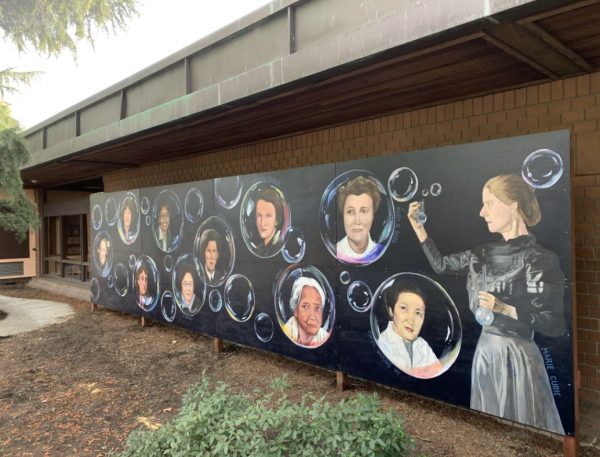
[(489, 301), (419, 229)]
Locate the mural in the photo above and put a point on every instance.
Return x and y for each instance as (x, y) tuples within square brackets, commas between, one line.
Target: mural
[(446, 272)]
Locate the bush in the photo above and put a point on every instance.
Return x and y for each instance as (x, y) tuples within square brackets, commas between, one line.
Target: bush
[(220, 423)]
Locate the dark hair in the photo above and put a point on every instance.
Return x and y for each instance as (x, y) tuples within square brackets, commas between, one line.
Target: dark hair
[(207, 236), (358, 186), (128, 204), (399, 287), (270, 196)]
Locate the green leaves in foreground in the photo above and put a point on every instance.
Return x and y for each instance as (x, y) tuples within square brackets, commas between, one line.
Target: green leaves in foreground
[(220, 423)]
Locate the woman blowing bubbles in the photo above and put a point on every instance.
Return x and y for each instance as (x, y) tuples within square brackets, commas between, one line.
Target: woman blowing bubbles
[(522, 284)]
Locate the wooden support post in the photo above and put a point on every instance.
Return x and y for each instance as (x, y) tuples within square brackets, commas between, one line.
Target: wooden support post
[(94, 307), (570, 446), (144, 322), (341, 379), (218, 344)]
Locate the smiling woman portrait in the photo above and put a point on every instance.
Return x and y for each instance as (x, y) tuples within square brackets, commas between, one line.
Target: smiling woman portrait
[(523, 285)]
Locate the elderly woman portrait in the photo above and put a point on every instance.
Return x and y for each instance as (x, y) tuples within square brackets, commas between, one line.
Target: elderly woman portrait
[(210, 250), (269, 220), (400, 341), (522, 284), (189, 301), (358, 201), (306, 303)]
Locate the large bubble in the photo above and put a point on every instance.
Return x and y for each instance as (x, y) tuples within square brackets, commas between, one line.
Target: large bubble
[(542, 168), (194, 205), (343, 231), (189, 285), (168, 221), (94, 290), (103, 253), (121, 280), (295, 245), (263, 327), (305, 306), (228, 191), (214, 250), (168, 307), (96, 217), (264, 219), (146, 283), (129, 218), (215, 300), (110, 208), (403, 184), (435, 338), (359, 296), (239, 298)]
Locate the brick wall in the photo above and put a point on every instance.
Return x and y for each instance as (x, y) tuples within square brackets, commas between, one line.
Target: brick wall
[(567, 104)]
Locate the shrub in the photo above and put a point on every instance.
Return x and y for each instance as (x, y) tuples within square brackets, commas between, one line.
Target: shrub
[(218, 422)]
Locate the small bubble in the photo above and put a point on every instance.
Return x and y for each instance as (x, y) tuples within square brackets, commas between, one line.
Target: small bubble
[(110, 208), (403, 184), (215, 301), (168, 262), (435, 189), (194, 205), (425, 192), (344, 277), (239, 298), (168, 306), (145, 205), (148, 220), (263, 326), (94, 289), (228, 191), (97, 217), (132, 261), (542, 168), (110, 282), (121, 280), (359, 296), (295, 246)]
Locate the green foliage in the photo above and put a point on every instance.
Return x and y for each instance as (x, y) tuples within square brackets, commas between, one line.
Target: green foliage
[(53, 25), (17, 212), (9, 79), (216, 422)]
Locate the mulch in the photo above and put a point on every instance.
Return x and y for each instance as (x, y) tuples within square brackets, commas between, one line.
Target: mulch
[(80, 387)]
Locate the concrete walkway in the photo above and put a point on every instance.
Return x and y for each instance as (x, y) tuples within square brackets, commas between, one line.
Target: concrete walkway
[(26, 314)]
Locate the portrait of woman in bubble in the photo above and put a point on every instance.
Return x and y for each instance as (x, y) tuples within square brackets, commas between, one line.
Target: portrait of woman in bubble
[(146, 283), (129, 220), (365, 212), (416, 325), (103, 253), (304, 304), (189, 286), (168, 221), (515, 289), (264, 219), (214, 250)]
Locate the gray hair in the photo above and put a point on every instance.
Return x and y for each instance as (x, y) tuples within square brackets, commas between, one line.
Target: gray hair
[(297, 288)]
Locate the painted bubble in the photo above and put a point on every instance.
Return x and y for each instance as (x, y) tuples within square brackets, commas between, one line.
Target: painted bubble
[(168, 263), (94, 290), (215, 300), (110, 208), (96, 217), (102, 254), (145, 205), (263, 327), (109, 281), (542, 168), (239, 298), (228, 191), (359, 296), (167, 217), (441, 328), (295, 245), (425, 192), (292, 285), (129, 219), (435, 189), (188, 285), (121, 280), (168, 307), (214, 235), (194, 205), (484, 316), (148, 219), (403, 184), (132, 261), (264, 240), (146, 283), (344, 277)]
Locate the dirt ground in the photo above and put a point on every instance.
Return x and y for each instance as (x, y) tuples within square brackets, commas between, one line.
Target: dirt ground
[(80, 387)]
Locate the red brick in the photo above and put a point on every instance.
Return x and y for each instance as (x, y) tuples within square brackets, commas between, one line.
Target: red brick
[(573, 116), (587, 300), (559, 106), (532, 95), (595, 83), (509, 99), (520, 97), (583, 85), (583, 180), (556, 90), (488, 104), (544, 93), (584, 126), (585, 252), (570, 88), (499, 101)]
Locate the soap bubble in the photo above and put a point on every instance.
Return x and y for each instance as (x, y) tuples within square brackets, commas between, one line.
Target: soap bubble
[(403, 184), (542, 168), (129, 233), (295, 246), (263, 326), (215, 229), (194, 205), (110, 281), (168, 263), (103, 253), (110, 208), (146, 301), (121, 280), (169, 199), (187, 271), (94, 290), (96, 217), (148, 219), (228, 191), (239, 298), (168, 307), (344, 277), (425, 192), (145, 205), (132, 261), (441, 327), (435, 189), (215, 300), (359, 296)]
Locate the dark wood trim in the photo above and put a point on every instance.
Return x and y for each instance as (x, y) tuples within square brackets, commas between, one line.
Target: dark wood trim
[(557, 11)]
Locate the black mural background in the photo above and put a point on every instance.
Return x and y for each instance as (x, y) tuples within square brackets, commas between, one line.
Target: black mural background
[(453, 222)]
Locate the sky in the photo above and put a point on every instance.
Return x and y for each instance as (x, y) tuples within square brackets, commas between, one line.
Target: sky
[(162, 28)]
